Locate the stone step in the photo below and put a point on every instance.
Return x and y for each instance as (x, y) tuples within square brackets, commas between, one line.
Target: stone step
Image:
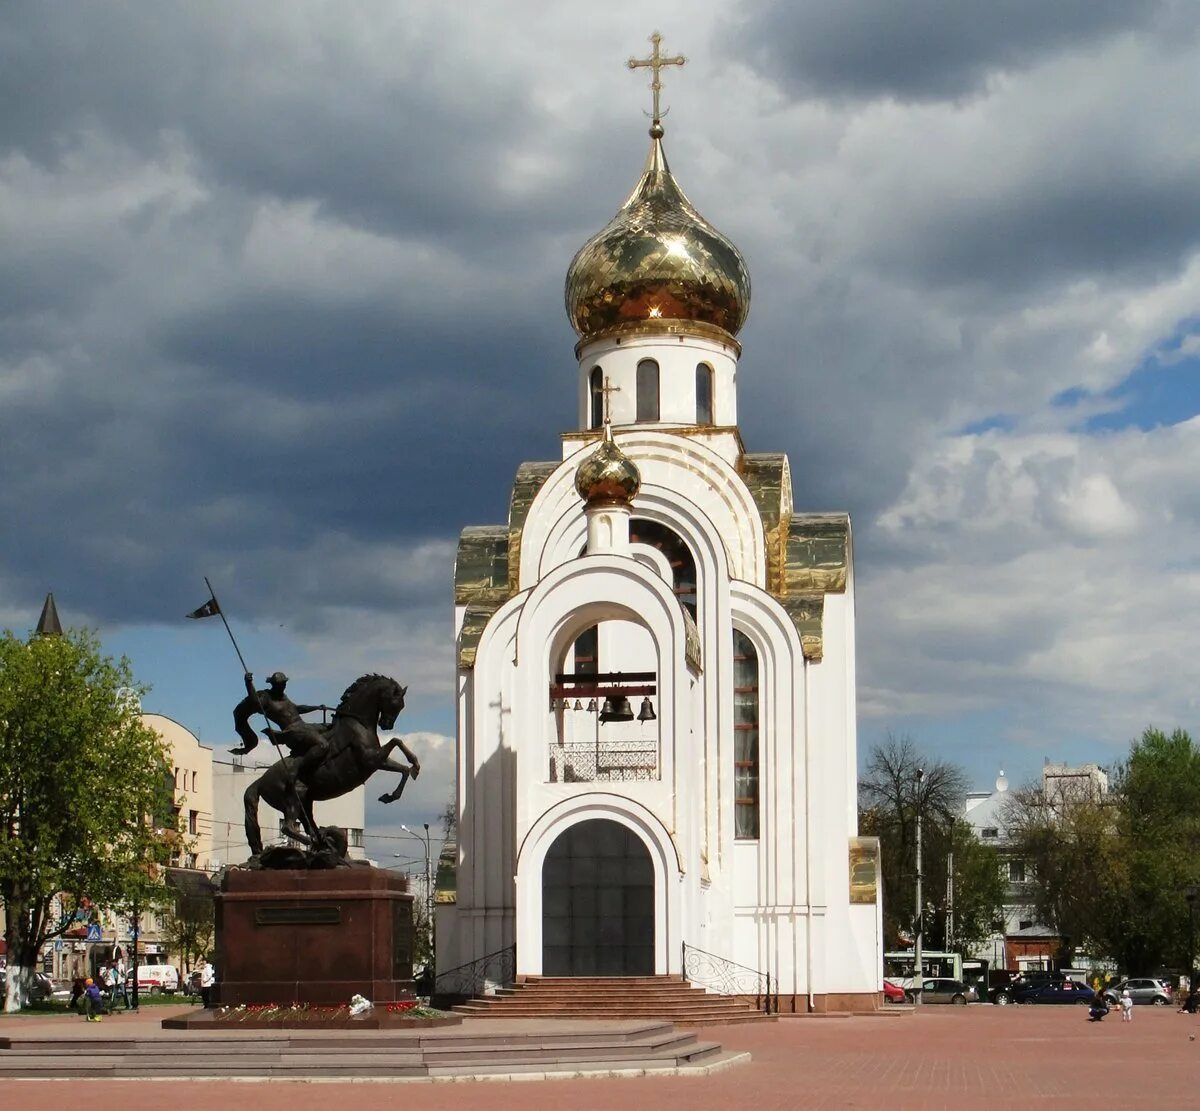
[(578, 1046)]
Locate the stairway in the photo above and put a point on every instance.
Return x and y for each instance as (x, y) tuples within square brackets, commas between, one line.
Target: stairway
[(591, 997), (483, 1049)]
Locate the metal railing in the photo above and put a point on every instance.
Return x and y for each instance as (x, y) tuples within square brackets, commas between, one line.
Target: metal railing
[(726, 977), (587, 761), (473, 978)]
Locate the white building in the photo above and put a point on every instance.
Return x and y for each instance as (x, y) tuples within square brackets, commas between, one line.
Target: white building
[(664, 563)]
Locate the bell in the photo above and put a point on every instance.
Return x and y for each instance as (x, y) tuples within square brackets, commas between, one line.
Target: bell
[(646, 713), (592, 706), (578, 704), (616, 709)]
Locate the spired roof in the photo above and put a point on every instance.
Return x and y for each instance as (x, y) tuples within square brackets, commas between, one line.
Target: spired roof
[(48, 624), (658, 259)]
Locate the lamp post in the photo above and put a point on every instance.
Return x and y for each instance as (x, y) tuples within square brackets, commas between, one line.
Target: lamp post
[(919, 917), (425, 840), (1190, 895)]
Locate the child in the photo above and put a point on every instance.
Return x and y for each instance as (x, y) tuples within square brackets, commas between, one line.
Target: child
[(1126, 1006), (93, 1002)]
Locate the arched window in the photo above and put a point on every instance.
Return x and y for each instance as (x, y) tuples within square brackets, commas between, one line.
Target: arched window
[(647, 390), (745, 738), (596, 397), (679, 556), (704, 394), (587, 651)]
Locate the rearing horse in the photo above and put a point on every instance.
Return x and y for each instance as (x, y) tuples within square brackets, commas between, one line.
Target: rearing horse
[(370, 703)]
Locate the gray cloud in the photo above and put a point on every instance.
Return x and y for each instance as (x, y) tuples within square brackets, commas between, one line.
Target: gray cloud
[(928, 49), (281, 301)]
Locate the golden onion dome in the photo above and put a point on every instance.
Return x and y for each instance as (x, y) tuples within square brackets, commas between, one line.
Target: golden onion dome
[(608, 475), (658, 259)]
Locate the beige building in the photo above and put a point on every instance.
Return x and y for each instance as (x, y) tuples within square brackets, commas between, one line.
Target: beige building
[(231, 777)]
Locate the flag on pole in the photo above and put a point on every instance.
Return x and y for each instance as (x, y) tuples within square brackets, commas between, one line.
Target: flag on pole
[(209, 609)]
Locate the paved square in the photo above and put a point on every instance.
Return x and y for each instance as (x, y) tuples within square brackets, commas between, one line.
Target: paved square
[(978, 1056)]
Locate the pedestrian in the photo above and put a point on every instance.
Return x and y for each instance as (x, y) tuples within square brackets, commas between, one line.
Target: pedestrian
[(117, 981), (1126, 1006), (93, 1001), (208, 977)]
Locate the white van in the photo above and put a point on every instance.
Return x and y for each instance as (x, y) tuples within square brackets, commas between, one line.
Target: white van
[(154, 975)]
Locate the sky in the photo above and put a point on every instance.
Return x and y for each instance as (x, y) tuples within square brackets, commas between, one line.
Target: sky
[(281, 304)]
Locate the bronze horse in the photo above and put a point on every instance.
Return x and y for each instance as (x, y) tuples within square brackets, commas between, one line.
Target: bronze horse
[(370, 703)]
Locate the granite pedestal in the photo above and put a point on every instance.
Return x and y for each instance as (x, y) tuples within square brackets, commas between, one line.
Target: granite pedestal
[(313, 937)]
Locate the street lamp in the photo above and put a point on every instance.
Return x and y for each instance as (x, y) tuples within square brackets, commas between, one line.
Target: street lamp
[(1190, 895), (918, 960), (425, 840)]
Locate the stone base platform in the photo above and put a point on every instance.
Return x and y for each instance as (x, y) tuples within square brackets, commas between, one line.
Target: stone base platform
[(319, 937), (478, 1049)]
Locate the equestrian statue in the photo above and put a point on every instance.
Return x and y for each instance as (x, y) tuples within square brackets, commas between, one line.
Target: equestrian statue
[(324, 762)]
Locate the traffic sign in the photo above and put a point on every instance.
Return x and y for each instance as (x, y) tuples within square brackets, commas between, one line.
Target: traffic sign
[(93, 933), (58, 945)]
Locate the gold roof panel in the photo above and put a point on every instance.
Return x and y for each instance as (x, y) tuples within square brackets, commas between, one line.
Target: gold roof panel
[(658, 259)]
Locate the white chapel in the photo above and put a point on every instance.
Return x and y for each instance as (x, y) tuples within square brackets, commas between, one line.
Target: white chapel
[(656, 684)]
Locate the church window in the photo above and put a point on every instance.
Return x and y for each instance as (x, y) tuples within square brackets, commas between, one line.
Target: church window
[(704, 394), (745, 738), (596, 397), (587, 650), (679, 556), (647, 390)]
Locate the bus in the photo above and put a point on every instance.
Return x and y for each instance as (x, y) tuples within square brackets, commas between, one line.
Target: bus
[(898, 966)]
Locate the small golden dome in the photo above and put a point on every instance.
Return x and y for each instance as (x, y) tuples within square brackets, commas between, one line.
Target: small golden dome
[(658, 259), (608, 474)]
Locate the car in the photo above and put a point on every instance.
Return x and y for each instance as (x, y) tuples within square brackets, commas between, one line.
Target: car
[(153, 976), (1144, 990), (941, 989), (1053, 991), (893, 993), (43, 986)]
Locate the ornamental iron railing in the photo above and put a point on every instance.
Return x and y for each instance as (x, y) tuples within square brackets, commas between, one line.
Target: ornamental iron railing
[(495, 970), (586, 761), (726, 977)]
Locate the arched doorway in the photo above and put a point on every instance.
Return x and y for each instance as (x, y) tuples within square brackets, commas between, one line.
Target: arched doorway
[(598, 903)]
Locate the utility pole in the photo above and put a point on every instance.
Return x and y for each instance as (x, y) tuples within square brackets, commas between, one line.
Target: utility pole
[(950, 902), (919, 916)]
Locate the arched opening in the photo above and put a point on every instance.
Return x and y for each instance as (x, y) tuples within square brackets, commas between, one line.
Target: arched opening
[(647, 390), (704, 394), (679, 556), (598, 902), (745, 738), (596, 397)]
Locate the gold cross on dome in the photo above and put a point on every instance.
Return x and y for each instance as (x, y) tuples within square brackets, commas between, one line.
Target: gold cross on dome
[(655, 64), (607, 390)]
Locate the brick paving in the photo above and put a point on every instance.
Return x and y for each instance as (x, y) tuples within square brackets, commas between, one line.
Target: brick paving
[(948, 1057)]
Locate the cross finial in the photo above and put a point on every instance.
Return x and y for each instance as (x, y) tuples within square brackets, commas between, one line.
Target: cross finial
[(655, 63), (607, 390)]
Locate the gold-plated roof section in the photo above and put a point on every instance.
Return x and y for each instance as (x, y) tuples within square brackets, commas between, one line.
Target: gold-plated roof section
[(658, 259), (769, 479), (481, 566), (818, 553), (531, 477), (475, 620)]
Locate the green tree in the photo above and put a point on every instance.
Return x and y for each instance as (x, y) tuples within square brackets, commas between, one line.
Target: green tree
[(1074, 859), (85, 799), (190, 926), (889, 799), (979, 888), (1158, 794)]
